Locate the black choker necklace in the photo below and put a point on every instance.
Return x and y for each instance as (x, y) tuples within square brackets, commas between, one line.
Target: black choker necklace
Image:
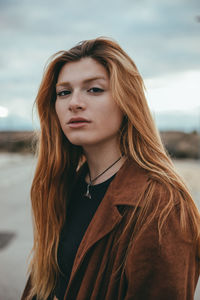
[(87, 194)]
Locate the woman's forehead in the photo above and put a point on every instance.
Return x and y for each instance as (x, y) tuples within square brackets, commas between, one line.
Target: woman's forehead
[(84, 70)]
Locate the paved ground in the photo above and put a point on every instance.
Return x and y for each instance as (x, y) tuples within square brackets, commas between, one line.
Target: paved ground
[(15, 179), (15, 219)]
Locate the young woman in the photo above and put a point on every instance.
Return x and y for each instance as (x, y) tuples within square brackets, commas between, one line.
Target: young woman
[(112, 219)]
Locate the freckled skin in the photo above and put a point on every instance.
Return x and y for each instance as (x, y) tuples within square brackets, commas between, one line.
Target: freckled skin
[(90, 100)]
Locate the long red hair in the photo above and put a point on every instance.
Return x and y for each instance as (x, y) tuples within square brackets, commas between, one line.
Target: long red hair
[(58, 159)]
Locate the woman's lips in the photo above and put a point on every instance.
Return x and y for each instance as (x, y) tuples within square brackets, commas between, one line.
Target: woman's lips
[(78, 123)]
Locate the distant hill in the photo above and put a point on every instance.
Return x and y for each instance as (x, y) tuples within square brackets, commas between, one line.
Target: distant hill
[(16, 141), (182, 145), (178, 144)]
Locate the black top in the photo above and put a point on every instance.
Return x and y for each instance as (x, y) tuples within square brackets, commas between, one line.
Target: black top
[(79, 215)]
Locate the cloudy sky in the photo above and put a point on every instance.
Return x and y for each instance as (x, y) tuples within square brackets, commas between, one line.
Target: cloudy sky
[(162, 37)]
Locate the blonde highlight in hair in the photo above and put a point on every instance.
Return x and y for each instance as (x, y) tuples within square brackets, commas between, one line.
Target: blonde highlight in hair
[(58, 159)]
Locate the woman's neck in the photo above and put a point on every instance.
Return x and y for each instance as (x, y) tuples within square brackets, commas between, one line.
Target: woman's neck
[(101, 158)]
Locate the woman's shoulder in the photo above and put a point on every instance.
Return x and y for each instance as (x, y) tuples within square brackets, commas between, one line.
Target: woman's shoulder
[(174, 210)]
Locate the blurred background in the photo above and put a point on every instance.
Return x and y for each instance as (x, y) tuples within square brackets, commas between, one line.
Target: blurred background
[(163, 39)]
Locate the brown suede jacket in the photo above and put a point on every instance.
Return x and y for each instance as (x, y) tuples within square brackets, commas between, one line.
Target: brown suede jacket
[(153, 271)]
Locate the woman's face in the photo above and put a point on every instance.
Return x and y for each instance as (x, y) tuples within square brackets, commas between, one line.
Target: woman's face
[(84, 105)]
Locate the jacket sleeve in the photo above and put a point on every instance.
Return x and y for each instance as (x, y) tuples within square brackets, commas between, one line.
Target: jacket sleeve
[(165, 270)]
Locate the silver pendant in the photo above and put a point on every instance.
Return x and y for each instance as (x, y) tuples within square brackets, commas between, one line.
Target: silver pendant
[(87, 194)]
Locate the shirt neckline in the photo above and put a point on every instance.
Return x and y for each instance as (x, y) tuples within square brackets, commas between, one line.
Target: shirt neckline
[(100, 185)]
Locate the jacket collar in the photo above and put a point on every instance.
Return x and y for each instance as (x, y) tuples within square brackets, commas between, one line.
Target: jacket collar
[(128, 184)]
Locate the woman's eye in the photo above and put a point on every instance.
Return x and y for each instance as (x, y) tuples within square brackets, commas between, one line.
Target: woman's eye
[(95, 90), (63, 93)]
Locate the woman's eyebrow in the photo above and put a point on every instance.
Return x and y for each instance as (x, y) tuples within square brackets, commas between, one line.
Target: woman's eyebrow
[(65, 83)]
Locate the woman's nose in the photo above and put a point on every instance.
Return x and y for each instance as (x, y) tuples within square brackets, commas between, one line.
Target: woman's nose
[(76, 102)]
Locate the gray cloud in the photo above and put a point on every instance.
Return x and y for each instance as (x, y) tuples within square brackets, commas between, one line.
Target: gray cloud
[(161, 36), (164, 29)]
